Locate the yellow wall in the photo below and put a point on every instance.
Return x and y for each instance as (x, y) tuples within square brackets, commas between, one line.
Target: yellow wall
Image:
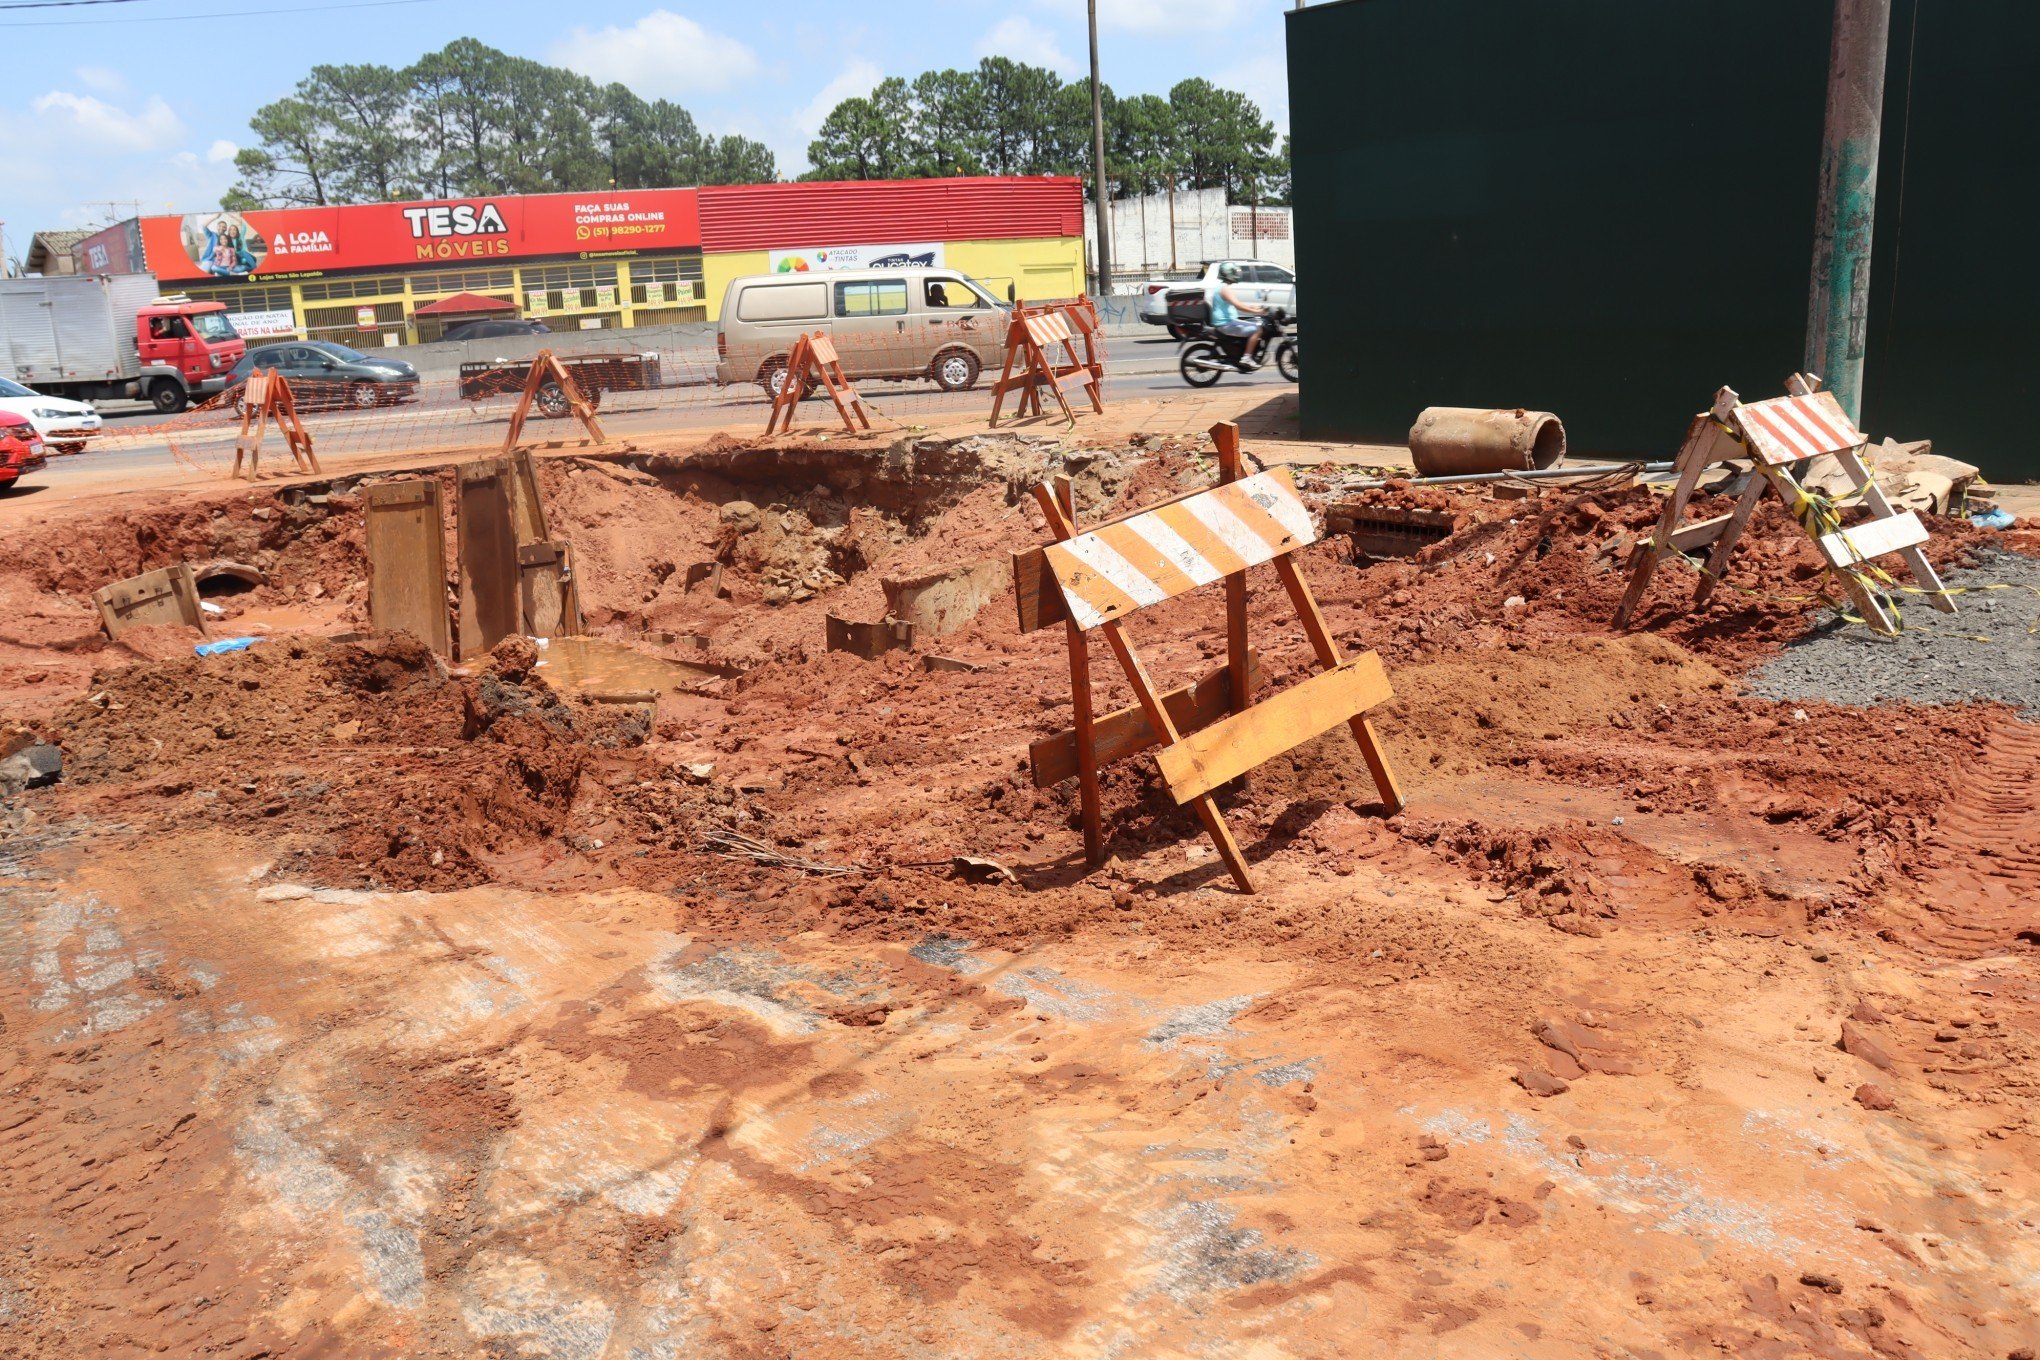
[(1039, 267), (718, 270)]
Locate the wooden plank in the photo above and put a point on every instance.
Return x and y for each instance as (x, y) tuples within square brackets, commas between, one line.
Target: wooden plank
[(1202, 761), (1327, 649), (1034, 589), (541, 591), (1112, 571), (1915, 560), (1704, 531), (1731, 527), (406, 542), (527, 511), (1127, 731), (1225, 437), (1084, 737), (1861, 542), (488, 557)]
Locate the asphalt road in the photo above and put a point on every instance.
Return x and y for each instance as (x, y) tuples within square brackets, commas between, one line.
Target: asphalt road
[(1139, 367)]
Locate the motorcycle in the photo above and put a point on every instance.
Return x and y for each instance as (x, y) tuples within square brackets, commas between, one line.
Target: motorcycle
[(1205, 358)]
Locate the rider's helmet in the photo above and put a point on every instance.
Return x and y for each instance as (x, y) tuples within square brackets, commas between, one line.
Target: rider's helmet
[(1228, 273)]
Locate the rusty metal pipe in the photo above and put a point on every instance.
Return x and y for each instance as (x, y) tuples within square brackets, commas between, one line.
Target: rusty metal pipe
[(1450, 440)]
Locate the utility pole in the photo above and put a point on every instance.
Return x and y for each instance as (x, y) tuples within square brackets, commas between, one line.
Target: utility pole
[(1839, 299), (1103, 203)]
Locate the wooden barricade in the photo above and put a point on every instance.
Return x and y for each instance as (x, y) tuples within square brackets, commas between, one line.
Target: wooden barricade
[(266, 396), (814, 360), (546, 367), (1031, 338), (1210, 732), (1773, 435)]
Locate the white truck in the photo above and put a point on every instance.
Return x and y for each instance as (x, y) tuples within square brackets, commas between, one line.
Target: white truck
[(106, 336), (1261, 283)]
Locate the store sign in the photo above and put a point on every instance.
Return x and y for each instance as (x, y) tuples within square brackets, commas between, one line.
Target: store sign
[(263, 325), (920, 255), (364, 319), (488, 230)]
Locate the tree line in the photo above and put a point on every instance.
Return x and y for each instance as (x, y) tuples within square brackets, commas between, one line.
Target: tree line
[(1008, 118), (469, 120)]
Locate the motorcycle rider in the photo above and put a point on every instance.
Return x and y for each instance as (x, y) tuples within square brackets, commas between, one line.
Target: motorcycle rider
[(1226, 305)]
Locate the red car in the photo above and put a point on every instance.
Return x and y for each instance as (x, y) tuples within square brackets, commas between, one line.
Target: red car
[(21, 448)]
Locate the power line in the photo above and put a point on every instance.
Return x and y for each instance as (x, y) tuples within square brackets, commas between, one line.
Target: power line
[(215, 14), (58, 4)]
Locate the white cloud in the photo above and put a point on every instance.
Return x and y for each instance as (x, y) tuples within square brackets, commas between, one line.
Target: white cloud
[(1265, 80), (1021, 39), (221, 152), (857, 78), (104, 79), (1165, 16), (663, 55), (102, 125)]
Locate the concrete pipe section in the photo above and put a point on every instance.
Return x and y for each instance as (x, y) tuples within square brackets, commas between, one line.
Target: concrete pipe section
[(1449, 440)]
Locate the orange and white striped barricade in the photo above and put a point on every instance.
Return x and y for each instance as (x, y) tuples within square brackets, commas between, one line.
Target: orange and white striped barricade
[(266, 396), (1773, 435), (546, 369), (1030, 339), (1208, 733), (813, 359)]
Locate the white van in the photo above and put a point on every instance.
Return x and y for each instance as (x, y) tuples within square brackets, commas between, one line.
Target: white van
[(886, 323)]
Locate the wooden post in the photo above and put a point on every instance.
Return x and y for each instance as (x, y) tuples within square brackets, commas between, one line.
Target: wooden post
[(1080, 703), (1226, 436)]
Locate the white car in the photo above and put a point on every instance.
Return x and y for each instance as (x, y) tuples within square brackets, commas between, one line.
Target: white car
[(64, 424), (1261, 283)]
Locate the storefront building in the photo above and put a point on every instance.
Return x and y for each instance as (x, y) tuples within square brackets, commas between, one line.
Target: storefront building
[(361, 273)]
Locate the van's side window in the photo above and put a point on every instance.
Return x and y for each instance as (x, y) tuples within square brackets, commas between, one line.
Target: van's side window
[(948, 293), (887, 297)]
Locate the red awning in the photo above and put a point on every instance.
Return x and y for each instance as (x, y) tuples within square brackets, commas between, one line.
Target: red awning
[(465, 302)]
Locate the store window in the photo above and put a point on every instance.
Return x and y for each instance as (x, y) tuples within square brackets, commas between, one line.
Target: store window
[(248, 298), (332, 289), (485, 281), (665, 282), (884, 297), (570, 287)]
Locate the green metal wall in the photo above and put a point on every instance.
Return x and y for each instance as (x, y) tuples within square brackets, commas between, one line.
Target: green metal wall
[(1605, 209), (1954, 338)]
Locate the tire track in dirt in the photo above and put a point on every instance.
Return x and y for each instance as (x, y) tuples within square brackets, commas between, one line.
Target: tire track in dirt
[(1981, 872), (113, 1238)]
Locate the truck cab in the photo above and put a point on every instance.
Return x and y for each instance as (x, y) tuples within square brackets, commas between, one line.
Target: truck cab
[(185, 348)]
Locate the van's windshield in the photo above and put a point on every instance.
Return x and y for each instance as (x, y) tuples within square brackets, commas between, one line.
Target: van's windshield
[(990, 299)]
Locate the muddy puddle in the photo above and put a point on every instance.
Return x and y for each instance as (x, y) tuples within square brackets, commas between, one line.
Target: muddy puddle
[(601, 666)]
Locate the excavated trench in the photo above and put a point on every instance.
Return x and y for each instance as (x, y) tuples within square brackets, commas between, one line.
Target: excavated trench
[(503, 1019)]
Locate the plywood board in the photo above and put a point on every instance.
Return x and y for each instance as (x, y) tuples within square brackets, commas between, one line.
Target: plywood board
[(406, 533), (165, 595), (1127, 732), (489, 604), (1229, 748), (1154, 556), (1791, 429), (543, 589), (527, 511), (1861, 542)]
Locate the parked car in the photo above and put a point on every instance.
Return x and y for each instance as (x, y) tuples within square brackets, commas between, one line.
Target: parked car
[(325, 373), (483, 330), (21, 449), (886, 323), (1261, 283), (63, 424)]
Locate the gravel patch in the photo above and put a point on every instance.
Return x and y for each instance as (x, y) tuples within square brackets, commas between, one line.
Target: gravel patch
[(1989, 651)]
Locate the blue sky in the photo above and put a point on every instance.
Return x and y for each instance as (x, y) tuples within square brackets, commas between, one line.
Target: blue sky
[(116, 108)]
